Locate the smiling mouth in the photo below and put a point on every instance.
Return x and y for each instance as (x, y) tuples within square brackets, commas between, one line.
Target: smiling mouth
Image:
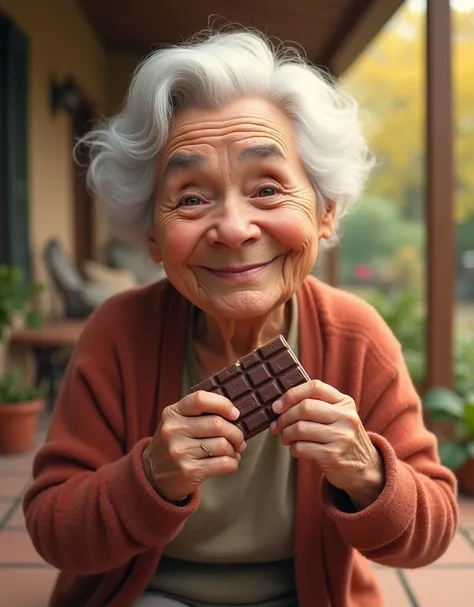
[(240, 272)]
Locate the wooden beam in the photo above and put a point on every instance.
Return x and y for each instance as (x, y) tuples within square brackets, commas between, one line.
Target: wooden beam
[(360, 29), (439, 201), (350, 18)]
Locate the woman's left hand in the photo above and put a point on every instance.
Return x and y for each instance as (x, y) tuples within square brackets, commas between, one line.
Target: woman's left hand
[(321, 424)]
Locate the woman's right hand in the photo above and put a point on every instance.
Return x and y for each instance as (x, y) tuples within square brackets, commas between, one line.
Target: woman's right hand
[(174, 461)]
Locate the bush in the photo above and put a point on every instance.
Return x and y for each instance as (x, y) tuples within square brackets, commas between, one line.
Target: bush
[(373, 235), (12, 392), (16, 298), (403, 313)]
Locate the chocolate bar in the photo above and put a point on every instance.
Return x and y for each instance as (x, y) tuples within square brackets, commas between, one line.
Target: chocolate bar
[(255, 382)]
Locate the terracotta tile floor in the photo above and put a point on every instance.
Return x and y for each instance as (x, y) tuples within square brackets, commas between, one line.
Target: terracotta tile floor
[(26, 581)]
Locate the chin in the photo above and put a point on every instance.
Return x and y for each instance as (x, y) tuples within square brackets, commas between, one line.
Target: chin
[(243, 305)]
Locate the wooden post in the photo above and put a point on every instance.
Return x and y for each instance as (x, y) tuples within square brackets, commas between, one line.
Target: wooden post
[(333, 261), (439, 200)]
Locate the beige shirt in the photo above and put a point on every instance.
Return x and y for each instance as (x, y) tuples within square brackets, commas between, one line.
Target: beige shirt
[(237, 548)]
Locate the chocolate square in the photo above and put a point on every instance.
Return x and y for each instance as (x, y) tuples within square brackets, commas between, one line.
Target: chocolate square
[(256, 381)]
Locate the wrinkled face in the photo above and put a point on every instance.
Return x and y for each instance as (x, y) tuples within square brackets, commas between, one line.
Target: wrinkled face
[(235, 223)]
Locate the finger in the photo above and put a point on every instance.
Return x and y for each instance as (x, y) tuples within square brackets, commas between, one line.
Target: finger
[(309, 432), (314, 389), (310, 410), (210, 426), (214, 447), (319, 453), (219, 466), (201, 402)]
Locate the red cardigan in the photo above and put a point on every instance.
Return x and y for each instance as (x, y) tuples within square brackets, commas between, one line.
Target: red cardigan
[(92, 514)]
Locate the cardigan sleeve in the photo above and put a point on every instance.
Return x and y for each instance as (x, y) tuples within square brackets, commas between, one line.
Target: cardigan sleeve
[(414, 519), (90, 508)]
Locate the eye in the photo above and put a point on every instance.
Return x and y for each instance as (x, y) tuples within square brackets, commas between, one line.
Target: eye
[(189, 201), (266, 192)]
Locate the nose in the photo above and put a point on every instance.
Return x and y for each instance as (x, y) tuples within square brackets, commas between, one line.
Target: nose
[(234, 227)]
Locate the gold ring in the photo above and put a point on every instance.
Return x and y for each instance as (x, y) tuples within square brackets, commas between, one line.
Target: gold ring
[(204, 448)]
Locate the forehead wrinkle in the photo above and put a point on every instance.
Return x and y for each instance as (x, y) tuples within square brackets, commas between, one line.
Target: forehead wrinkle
[(246, 121), (254, 118), (195, 129), (207, 141)]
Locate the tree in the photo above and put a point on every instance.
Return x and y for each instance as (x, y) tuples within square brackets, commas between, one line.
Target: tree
[(388, 81)]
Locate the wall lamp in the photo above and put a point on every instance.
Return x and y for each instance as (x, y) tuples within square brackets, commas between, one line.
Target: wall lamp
[(65, 96)]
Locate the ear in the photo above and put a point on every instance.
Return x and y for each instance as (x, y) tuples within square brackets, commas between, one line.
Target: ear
[(154, 248), (327, 221)]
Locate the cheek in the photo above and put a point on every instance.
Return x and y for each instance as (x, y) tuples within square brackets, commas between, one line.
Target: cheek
[(178, 240), (294, 228)]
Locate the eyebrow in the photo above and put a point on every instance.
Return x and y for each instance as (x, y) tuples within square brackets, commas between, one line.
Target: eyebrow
[(182, 161), (261, 151)]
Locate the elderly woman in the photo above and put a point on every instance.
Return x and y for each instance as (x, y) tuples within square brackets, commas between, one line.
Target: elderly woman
[(235, 162)]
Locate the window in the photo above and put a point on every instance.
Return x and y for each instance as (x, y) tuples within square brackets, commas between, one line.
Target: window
[(14, 225)]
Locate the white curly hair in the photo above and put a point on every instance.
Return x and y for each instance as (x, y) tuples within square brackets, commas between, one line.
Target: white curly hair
[(209, 70)]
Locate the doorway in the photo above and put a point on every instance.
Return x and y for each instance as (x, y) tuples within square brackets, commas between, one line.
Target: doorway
[(84, 228), (14, 195)]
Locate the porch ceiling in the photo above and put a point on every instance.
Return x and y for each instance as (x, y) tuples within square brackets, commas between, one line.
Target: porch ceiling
[(332, 32)]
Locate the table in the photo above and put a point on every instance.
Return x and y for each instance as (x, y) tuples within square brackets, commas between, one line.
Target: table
[(46, 342)]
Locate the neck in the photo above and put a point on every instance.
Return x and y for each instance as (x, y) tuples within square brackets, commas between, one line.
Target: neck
[(229, 339)]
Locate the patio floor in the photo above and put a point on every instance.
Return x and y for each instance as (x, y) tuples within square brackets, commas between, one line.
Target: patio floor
[(26, 580)]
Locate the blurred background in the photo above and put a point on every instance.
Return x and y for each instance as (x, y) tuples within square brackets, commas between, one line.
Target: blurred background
[(409, 248)]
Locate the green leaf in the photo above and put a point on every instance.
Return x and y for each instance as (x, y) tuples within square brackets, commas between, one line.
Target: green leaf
[(16, 298), (470, 449), (12, 392), (469, 417), (34, 319), (460, 432), (444, 404), (453, 456)]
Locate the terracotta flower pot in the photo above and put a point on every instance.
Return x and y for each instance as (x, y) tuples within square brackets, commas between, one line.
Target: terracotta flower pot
[(465, 476), (18, 422)]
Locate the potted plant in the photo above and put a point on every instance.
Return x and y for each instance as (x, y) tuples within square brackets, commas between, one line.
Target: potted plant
[(19, 406), (19, 411), (448, 413), (452, 415)]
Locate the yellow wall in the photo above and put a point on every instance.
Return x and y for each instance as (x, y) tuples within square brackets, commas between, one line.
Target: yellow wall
[(61, 44)]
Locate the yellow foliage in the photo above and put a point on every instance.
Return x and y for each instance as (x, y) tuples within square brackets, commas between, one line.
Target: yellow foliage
[(389, 82), (405, 269)]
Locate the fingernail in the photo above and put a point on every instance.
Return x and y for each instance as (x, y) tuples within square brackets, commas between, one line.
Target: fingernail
[(277, 406), (243, 446), (235, 413), (273, 426), (238, 457)]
